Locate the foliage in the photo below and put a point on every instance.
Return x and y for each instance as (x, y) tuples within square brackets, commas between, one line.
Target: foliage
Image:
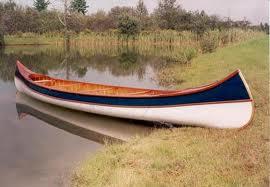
[(141, 9), (190, 53), (209, 42), (2, 41), (201, 23), (264, 27), (128, 26), (167, 14), (41, 5), (142, 15), (79, 6), (225, 37), (100, 22), (117, 12)]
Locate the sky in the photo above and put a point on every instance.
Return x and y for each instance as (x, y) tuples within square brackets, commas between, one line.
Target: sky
[(255, 11)]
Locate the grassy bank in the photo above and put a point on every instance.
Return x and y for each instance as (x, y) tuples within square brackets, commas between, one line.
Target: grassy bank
[(196, 156), (158, 37), (178, 47), (31, 39)]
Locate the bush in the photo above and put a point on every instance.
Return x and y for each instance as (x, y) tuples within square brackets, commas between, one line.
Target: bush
[(209, 42), (128, 26), (184, 56), (190, 53), (19, 34), (224, 37), (29, 35), (86, 32)]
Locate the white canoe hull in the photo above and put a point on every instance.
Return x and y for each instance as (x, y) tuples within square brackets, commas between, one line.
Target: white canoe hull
[(214, 115)]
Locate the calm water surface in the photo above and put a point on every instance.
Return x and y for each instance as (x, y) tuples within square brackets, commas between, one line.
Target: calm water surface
[(39, 147)]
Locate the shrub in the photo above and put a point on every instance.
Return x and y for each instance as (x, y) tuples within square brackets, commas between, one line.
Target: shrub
[(128, 26), (184, 56), (29, 35), (19, 34), (190, 53), (209, 42), (224, 37), (86, 32)]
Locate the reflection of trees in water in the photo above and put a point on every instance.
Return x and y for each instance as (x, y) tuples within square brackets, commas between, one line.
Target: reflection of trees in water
[(6, 68), (125, 62), (40, 62), (73, 63)]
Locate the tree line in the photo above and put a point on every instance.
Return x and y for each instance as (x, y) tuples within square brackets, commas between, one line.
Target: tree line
[(168, 14)]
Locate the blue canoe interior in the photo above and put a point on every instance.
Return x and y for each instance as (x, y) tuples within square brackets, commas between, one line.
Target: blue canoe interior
[(230, 89)]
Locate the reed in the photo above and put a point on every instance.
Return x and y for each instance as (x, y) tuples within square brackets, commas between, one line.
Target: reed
[(162, 37), (178, 47), (157, 37)]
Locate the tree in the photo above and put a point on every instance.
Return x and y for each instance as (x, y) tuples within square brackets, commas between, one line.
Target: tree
[(142, 14), (117, 12), (41, 5), (79, 6), (201, 24), (167, 14), (10, 5), (100, 22), (141, 10), (128, 26), (261, 26), (266, 28)]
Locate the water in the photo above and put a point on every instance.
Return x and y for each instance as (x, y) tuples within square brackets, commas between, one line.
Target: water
[(40, 144)]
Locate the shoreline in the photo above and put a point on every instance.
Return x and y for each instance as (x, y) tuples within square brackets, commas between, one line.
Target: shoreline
[(180, 156)]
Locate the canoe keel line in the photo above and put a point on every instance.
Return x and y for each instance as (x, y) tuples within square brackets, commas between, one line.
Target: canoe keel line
[(225, 104)]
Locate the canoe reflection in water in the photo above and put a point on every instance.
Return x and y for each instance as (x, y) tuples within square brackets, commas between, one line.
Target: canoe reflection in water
[(93, 127)]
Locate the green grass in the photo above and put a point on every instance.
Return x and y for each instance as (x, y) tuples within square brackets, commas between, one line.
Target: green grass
[(196, 156)]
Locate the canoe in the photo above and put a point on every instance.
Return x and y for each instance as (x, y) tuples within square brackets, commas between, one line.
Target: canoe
[(227, 103), (96, 128)]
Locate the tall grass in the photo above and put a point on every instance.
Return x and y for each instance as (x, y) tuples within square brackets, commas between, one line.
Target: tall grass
[(157, 37), (180, 47), (164, 37)]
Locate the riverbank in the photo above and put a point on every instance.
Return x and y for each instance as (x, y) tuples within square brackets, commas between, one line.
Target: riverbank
[(196, 156), (174, 47), (157, 37), (14, 40)]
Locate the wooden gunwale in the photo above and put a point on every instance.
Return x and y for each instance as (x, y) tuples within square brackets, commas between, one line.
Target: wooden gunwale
[(160, 93)]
